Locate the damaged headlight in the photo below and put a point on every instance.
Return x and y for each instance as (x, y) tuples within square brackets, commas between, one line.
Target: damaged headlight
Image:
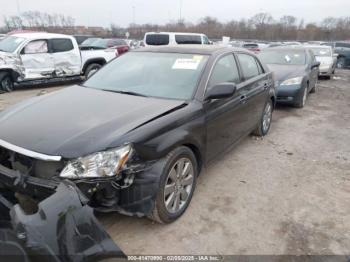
[(102, 164)]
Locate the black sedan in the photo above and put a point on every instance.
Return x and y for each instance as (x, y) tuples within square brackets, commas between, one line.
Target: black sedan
[(296, 71), (135, 136)]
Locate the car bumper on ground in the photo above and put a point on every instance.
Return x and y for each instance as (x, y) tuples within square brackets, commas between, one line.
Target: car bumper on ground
[(62, 228), (289, 94)]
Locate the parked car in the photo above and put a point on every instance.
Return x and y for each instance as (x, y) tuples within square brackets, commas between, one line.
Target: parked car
[(120, 45), (135, 136), (169, 38), (252, 47), (296, 71), (328, 60), (42, 56), (88, 42), (343, 51), (81, 38)]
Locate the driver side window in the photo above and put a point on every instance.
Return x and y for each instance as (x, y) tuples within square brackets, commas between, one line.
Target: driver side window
[(224, 71), (36, 47)]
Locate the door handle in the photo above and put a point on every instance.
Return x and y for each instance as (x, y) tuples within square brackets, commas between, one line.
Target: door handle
[(265, 86), (243, 99)]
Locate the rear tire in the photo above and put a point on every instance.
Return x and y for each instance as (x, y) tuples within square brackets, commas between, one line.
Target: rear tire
[(175, 187), (265, 121), (91, 69), (6, 82)]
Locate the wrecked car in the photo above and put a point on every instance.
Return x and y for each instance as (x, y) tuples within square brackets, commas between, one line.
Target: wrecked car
[(134, 137), (34, 57)]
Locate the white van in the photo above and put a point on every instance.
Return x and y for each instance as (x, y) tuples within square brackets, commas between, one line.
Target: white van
[(169, 38)]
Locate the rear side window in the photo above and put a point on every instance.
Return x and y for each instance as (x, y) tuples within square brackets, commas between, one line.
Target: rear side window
[(225, 70), (249, 66), (188, 39), (157, 39), (61, 45)]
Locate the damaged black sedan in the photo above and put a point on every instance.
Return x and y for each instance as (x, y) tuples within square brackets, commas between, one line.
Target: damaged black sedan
[(134, 137)]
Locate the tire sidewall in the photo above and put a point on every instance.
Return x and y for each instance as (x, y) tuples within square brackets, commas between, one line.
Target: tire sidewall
[(90, 68), (265, 132), (6, 77), (175, 155)]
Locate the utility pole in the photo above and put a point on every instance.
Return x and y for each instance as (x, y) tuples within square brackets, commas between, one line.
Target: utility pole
[(133, 14), (180, 10), (18, 8)]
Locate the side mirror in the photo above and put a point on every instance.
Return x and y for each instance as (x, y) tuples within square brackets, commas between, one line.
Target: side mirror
[(219, 91), (315, 64)]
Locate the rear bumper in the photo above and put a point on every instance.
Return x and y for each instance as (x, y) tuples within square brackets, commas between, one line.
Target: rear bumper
[(289, 94)]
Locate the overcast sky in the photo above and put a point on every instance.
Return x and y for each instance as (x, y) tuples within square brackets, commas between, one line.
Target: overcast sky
[(105, 12)]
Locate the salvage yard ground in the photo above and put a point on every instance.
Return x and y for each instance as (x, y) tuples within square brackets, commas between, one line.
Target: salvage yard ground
[(288, 193)]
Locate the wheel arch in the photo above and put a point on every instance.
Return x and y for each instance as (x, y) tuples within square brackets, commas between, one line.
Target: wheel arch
[(101, 61)]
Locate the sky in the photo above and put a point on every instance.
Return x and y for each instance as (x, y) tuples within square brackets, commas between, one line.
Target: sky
[(122, 13)]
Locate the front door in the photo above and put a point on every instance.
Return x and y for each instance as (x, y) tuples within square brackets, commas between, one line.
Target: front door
[(37, 61), (223, 116)]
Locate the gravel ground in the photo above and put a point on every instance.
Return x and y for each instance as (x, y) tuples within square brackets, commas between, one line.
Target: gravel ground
[(288, 193)]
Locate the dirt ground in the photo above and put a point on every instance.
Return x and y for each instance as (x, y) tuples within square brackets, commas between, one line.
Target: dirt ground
[(288, 193)]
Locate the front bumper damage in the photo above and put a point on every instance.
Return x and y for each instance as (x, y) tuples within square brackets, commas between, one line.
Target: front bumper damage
[(63, 228)]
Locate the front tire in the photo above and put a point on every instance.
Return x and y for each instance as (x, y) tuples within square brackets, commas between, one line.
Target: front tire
[(302, 100), (6, 83), (341, 62), (265, 121), (177, 184)]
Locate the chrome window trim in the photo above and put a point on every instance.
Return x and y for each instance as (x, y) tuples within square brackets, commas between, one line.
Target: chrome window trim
[(29, 153)]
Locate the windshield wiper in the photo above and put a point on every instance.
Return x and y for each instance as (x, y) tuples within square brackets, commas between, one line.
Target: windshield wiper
[(125, 92)]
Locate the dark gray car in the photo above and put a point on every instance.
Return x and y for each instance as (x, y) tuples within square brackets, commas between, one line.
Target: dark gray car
[(296, 71)]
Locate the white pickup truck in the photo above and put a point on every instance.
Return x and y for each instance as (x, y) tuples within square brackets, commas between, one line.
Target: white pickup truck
[(41, 57)]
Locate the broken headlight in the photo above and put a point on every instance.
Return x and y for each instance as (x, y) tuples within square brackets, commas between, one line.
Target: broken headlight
[(102, 164)]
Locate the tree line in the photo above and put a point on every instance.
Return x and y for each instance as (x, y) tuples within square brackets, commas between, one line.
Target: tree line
[(261, 26)]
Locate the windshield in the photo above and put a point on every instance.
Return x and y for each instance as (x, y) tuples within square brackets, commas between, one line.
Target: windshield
[(321, 51), (10, 44), (283, 57), (165, 75), (100, 43), (89, 41)]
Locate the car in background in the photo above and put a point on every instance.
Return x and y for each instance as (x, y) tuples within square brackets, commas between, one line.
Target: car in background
[(170, 38), (343, 51), (120, 45), (140, 130), (292, 43), (296, 72), (43, 57), (328, 60), (81, 38), (2, 36), (253, 47), (88, 42)]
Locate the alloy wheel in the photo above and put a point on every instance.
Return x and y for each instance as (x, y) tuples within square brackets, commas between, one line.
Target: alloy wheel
[(178, 186), (267, 117)]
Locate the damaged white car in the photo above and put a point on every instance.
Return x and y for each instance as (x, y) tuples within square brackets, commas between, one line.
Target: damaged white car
[(33, 57)]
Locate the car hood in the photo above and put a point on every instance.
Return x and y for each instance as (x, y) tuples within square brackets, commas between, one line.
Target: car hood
[(284, 72), (77, 121)]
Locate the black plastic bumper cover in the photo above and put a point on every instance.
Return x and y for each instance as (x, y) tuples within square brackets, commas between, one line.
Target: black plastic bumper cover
[(63, 229)]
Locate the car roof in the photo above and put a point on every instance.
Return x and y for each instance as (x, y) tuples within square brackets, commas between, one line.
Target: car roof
[(41, 35), (289, 48), (191, 49), (177, 33), (318, 46)]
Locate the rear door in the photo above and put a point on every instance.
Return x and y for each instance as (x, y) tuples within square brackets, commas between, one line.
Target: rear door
[(253, 91), (37, 61), (223, 116), (66, 57)]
